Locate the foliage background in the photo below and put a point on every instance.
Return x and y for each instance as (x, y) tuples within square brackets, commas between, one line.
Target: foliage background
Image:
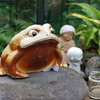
[(16, 16)]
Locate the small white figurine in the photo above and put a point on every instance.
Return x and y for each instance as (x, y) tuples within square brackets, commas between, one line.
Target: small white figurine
[(75, 55)]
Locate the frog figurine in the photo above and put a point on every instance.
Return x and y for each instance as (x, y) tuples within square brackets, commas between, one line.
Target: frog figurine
[(33, 49)]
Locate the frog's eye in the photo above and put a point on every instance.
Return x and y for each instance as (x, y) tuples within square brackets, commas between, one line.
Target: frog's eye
[(33, 33), (52, 30)]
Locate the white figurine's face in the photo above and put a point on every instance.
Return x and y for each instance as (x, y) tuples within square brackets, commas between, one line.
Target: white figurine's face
[(75, 54), (67, 36)]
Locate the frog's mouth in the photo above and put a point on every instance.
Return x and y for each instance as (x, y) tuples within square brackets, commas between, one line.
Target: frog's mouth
[(52, 42), (38, 55)]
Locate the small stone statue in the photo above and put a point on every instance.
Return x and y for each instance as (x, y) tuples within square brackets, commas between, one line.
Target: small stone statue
[(65, 41), (75, 55)]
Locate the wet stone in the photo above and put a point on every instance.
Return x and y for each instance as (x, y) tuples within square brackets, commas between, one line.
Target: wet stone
[(66, 84)]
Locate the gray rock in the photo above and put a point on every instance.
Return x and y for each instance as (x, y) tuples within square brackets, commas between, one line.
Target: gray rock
[(66, 84)]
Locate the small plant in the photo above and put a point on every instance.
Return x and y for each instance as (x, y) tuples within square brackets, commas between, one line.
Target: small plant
[(90, 32)]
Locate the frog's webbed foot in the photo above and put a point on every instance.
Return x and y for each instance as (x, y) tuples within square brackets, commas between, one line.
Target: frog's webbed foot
[(20, 74), (17, 74), (55, 68), (63, 65)]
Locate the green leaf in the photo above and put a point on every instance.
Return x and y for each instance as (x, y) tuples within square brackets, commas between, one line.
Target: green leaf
[(4, 39), (95, 39), (90, 34), (99, 41), (80, 27), (21, 24), (96, 22), (88, 22), (89, 10), (61, 47)]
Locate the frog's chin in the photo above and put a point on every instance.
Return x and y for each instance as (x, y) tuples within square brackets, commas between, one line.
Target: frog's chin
[(50, 40)]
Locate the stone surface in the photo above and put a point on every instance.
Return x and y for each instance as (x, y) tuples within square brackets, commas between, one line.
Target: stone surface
[(66, 84)]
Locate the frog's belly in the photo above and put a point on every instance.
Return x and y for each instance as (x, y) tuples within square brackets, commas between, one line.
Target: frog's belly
[(36, 60)]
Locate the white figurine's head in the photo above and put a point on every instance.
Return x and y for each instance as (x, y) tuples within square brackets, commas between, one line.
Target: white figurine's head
[(75, 54)]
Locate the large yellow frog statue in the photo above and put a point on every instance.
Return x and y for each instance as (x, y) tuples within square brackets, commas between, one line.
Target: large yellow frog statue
[(33, 49)]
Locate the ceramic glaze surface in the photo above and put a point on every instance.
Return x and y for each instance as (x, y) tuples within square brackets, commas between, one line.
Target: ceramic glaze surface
[(33, 49)]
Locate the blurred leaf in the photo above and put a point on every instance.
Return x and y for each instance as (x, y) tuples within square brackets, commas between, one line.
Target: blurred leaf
[(61, 47), (87, 22), (4, 39), (82, 26), (96, 22), (90, 34), (21, 24), (99, 41), (7, 32), (90, 11)]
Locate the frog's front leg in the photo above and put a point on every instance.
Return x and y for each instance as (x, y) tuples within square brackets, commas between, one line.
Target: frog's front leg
[(58, 55), (11, 65)]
